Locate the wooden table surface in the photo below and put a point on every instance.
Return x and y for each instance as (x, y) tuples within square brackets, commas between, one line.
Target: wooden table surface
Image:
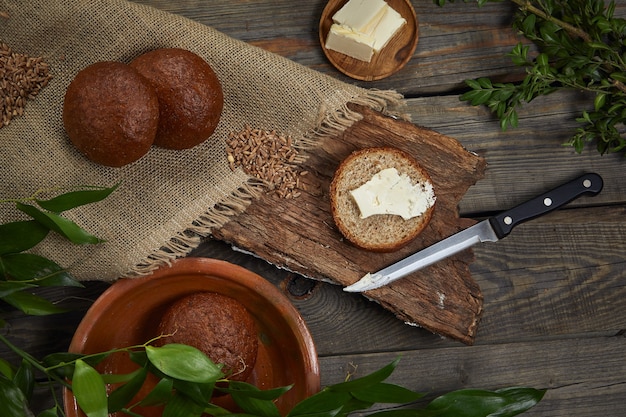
[(554, 290)]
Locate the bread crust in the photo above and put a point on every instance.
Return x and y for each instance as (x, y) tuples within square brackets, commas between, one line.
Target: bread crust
[(190, 95), (383, 232), (219, 326), (110, 113)]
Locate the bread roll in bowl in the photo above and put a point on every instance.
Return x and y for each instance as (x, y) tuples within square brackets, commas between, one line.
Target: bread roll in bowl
[(219, 326)]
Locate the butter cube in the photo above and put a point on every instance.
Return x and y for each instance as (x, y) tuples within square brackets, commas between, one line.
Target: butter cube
[(362, 28), (357, 14), (351, 43), (388, 25)]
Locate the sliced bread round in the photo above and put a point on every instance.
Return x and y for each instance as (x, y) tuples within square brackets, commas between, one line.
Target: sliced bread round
[(380, 232)]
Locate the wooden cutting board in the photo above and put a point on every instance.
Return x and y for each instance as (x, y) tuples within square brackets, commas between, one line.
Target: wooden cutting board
[(299, 234)]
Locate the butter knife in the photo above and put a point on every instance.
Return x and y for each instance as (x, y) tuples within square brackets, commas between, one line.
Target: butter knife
[(489, 230)]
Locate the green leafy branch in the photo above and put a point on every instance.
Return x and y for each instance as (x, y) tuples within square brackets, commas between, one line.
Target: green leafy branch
[(20, 271), (188, 379), (582, 46)]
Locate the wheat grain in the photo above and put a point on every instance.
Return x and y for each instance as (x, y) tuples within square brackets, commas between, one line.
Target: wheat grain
[(21, 79), (268, 156)]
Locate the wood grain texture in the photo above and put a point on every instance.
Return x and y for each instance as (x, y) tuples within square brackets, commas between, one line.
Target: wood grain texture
[(300, 234), (554, 292), (578, 384)]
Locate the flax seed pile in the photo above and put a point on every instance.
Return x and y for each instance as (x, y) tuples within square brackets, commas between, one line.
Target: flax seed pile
[(21, 78), (268, 156)]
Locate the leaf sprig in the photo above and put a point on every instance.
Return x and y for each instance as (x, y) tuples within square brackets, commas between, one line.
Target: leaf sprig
[(582, 46), (187, 380), (21, 271)]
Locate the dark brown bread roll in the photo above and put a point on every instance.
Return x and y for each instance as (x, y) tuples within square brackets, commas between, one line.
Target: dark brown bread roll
[(219, 326), (111, 113), (190, 96)]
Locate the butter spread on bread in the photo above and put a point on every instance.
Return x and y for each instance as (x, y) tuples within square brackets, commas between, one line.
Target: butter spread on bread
[(389, 192)]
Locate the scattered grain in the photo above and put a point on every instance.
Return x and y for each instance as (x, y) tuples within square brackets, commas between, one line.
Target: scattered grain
[(268, 156), (21, 78)]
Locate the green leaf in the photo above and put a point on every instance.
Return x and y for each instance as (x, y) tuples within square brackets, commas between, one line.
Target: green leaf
[(387, 393), (528, 25), (160, 394), (181, 406), (619, 76), (543, 60), (24, 378), (325, 403), (473, 84), (476, 97), (122, 395), (41, 271), (59, 224), (13, 403), (405, 412), (216, 411), (599, 45), (32, 304), (6, 369), (51, 412), (480, 403), (485, 83), (89, 390), (19, 236), (200, 393), (254, 392), (62, 363), (10, 287), (75, 199), (368, 380), (599, 101), (184, 362), (255, 406)]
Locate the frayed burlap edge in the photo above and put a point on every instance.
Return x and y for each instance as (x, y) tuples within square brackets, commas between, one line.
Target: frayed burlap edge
[(331, 123)]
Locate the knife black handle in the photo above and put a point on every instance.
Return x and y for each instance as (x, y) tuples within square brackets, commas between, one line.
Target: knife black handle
[(504, 222)]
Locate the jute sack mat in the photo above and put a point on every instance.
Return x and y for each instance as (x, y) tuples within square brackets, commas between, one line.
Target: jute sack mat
[(168, 200)]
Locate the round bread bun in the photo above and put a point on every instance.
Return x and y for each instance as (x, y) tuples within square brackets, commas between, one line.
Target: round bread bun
[(111, 113), (380, 232), (190, 96), (219, 326)]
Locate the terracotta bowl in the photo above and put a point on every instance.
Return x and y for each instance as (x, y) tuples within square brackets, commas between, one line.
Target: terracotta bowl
[(129, 312)]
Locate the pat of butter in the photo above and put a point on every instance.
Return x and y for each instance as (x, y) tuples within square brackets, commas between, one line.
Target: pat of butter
[(351, 43), (358, 14), (362, 28), (388, 192), (389, 24)]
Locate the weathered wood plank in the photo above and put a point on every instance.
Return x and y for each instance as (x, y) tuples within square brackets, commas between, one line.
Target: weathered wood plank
[(584, 377), (456, 42), (562, 274)]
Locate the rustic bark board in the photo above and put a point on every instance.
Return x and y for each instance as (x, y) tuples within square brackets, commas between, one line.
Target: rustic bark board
[(299, 234)]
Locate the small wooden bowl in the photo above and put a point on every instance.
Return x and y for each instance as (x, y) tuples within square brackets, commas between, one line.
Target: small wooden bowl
[(129, 312), (393, 57)]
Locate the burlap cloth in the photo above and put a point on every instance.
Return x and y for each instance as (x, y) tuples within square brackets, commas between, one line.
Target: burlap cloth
[(169, 200)]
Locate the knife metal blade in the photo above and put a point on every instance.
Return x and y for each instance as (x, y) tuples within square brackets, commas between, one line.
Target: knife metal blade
[(489, 230)]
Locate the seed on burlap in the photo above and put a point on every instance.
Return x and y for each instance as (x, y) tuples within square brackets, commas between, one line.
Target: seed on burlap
[(268, 156), (21, 78)]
